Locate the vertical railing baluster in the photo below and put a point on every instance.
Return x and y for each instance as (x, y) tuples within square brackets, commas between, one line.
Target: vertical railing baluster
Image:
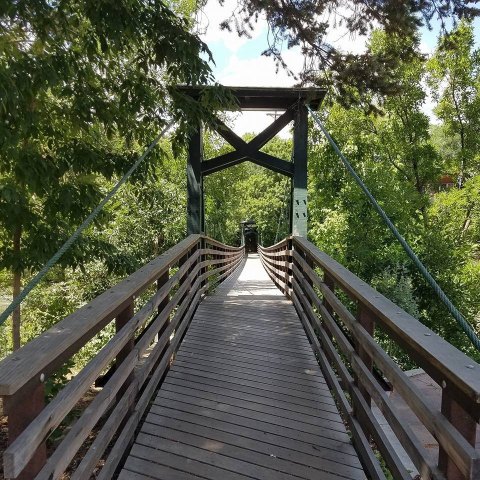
[(367, 320), (22, 408), (161, 281), (288, 264), (120, 321), (329, 282), (202, 257), (465, 424)]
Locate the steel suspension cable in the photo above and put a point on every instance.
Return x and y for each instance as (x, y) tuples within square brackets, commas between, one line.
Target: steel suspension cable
[(56, 257), (466, 327)]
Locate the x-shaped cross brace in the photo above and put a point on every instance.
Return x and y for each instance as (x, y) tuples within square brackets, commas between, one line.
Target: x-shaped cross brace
[(251, 150)]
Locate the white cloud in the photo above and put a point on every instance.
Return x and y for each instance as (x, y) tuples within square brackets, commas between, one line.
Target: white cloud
[(210, 18), (259, 71), (254, 122)]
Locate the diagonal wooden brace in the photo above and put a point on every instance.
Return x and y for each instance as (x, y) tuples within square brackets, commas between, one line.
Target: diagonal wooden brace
[(250, 151)]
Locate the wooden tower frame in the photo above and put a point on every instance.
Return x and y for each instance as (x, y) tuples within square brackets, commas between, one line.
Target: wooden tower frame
[(293, 101)]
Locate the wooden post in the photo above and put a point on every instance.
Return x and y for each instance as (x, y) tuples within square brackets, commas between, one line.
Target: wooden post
[(367, 320), (329, 282), (299, 183), (195, 214), (22, 408), (120, 321), (289, 272), (201, 258), (465, 424), (161, 281)]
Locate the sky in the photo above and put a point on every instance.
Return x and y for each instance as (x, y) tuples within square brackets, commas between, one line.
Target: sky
[(239, 61)]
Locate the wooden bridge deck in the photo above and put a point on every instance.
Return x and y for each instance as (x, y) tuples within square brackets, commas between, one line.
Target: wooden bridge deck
[(245, 397)]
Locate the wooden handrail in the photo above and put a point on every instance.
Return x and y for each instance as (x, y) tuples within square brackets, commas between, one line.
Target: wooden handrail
[(441, 360), (346, 349), (137, 362), (45, 353)]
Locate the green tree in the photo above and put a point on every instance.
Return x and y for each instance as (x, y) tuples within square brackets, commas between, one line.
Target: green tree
[(455, 81), (83, 87), (308, 24), (404, 129)]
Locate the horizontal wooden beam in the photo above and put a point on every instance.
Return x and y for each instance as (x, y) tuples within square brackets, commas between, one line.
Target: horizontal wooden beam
[(264, 98)]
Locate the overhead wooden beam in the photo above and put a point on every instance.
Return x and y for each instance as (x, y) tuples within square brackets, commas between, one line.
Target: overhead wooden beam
[(263, 98)]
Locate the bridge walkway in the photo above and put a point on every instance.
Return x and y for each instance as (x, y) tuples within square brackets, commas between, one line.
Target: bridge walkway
[(244, 398)]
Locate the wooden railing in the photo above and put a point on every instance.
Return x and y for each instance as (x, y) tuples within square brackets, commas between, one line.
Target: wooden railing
[(136, 357), (357, 368)]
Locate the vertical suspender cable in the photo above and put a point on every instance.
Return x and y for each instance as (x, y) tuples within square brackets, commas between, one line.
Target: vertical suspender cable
[(38, 277), (466, 327)]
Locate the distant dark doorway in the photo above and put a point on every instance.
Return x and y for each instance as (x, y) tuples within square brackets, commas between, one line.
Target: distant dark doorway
[(250, 236)]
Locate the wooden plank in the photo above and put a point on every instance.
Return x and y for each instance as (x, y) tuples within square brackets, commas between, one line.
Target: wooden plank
[(263, 98), (152, 470), (103, 438), (287, 370), (316, 452), (272, 356), (175, 459), (368, 459), (243, 369), (213, 242), (129, 475), (248, 401), (228, 324), (263, 465), (313, 393), (252, 401), (60, 458), (276, 345), (457, 447), (291, 419), (22, 408), (267, 445), (126, 436), (362, 410), (18, 454), (257, 397)]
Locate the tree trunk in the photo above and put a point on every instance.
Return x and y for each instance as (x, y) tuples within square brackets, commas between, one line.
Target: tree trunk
[(17, 287)]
